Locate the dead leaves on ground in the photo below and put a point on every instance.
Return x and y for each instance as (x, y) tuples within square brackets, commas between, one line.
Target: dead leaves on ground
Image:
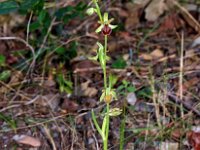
[(194, 139), (154, 55), (27, 140), (177, 16)]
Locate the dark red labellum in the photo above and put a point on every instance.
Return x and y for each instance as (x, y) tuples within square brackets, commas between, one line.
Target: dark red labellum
[(106, 30)]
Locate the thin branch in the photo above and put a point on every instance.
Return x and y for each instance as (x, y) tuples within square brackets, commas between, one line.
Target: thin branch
[(26, 43)]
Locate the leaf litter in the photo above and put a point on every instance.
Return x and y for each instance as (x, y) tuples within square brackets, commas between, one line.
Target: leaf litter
[(35, 112)]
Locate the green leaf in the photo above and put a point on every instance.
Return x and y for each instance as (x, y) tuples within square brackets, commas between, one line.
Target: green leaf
[(2, 60), (42, 16), (63, 11), (99, 29), (8, 120), (145, 92), (8, 6), (94, 58), (104, 125), (112, 80), (102, 96), (34, 26), (120, 63), (60, 50), (26, 5), (131, 89), (120, 88), (5, 75)]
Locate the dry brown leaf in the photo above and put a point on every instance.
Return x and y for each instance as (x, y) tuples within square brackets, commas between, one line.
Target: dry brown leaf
[(27, 140), (157, 53), (186, 15), (145, 57), (132, 19), (88, 91), (69, 106), (187, 84), (16, 77), (170, 23), (155, 9), (141, 2), (194, 139), (49, 100), (177, 133)]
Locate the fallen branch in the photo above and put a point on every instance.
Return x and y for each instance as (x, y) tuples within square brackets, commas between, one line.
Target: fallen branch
[(188, 107)]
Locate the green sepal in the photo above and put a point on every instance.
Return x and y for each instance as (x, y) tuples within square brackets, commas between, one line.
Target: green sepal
[(105, 18), (112, 26), (99, 29)]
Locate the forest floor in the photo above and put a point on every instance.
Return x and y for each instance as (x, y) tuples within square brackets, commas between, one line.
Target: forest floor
[(46, 102)]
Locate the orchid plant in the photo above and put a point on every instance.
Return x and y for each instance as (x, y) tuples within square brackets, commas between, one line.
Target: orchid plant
[(108, 93)]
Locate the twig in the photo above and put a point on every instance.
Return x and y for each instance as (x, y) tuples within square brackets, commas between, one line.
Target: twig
[(177, 100), (39, 123), (26, 43), (16, 92), (188, 17), (47, 132), (9, 107), (181, 73), (95, 139), (28, 26), (46, 36)]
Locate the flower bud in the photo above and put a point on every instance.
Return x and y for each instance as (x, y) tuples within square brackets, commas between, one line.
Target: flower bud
[(90, 11)]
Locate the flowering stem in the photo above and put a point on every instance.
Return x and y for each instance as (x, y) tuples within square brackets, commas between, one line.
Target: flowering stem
[(105, 55), (105, 86), (107, 127), (98, 11)]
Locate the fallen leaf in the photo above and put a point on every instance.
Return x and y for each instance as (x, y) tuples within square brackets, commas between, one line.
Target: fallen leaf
[(155, 9), (195, 43), (157, 53), (187, 84), (169, 146), (88, 91), (170, 23), (133, 18), (27, 140), (194, 139), (131, 98), (49, 100), (141, 2), (16, 77), (177, 133), (69, 106), (145, 56)]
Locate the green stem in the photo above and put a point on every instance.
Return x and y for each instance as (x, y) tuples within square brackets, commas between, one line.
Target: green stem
[(105, 56), (122, 129), (105, 44), (99, 12), (107, 127)]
